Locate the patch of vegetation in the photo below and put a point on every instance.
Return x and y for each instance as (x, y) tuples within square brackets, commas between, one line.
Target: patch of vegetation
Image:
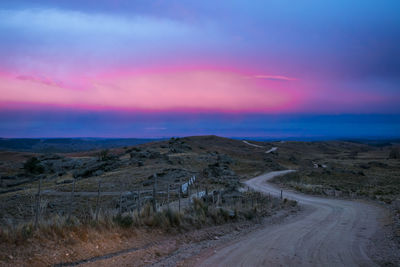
[(371, 182), (123, 220), (394, 153), (33, 166), (200, 213)]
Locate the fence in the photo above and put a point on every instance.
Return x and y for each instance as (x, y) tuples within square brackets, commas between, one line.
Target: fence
[(159, 195), (42, 203)]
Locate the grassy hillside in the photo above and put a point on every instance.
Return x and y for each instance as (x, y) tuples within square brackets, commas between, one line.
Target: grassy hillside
[(330, 168)]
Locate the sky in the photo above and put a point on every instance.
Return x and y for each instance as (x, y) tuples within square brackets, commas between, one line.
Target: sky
[(276, 68)]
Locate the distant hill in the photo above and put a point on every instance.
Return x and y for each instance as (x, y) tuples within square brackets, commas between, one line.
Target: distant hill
[(67, 145), (375, 142)]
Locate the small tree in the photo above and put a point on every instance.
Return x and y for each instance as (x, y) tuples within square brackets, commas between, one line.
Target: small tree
[(394, 153), (103, 155), (32, 165)]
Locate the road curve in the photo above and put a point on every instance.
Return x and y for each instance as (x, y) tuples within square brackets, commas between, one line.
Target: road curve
[(329, 233), (250, 144)]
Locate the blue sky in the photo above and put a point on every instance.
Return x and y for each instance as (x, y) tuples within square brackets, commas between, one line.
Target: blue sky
[(159, 68)]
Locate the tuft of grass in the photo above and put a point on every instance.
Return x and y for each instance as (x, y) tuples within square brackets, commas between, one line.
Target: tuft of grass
[(174, 218), (124, 221)]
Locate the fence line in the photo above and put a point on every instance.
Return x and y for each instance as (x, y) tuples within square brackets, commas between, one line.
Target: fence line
[(175, 196), (38, 200)]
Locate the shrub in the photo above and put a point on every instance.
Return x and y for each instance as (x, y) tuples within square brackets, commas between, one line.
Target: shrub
[(250, 214), (33, 166), (158, 220), (224, 214), (103, 155), (394, 154), (123, 220)]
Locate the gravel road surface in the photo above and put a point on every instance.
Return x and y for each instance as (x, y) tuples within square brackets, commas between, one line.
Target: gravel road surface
[(330, 232)]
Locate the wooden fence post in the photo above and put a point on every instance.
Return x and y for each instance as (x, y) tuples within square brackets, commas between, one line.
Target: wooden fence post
[(71, 201), (138, 202), (37, 209), (155, 193), (256, 204), (206, 194), (120, 203), (98, 201), (180, 193), (179, 197), (168, 196)]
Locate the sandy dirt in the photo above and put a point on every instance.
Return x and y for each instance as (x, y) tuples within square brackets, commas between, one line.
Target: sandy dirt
[(329, 233)]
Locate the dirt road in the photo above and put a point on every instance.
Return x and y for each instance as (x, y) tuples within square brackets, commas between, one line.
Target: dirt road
[(267, 152), (250, 144), (329, 233)]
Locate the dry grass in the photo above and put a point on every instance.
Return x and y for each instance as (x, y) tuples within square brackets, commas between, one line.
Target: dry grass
[(200, 213)]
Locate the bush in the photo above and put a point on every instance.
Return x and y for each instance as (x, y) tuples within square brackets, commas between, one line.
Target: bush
[(123, 220), (103, 155), (33, 166), (394, 154), (250, 214), (224, 213)]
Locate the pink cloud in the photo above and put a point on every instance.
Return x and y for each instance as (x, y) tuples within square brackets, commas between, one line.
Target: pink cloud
[(42, 80), (274, 77), (184, 89)]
